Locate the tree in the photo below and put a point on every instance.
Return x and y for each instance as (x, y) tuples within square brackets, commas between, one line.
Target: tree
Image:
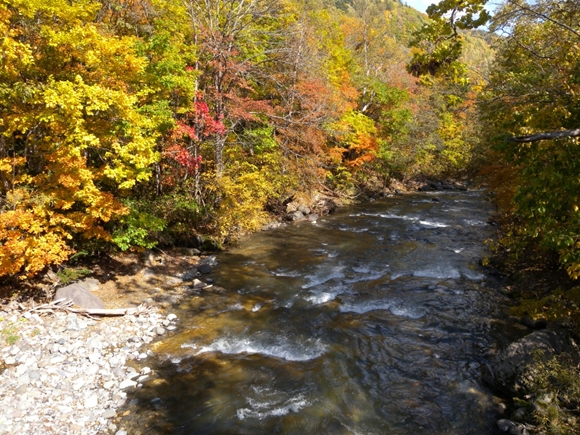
[(533, 90), (438, 44), (233, 36), (71, 134)]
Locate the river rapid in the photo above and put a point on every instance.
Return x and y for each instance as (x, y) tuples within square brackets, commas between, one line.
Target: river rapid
[(375, 320)]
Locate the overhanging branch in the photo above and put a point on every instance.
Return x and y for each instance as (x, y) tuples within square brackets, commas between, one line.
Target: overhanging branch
[(547, 136)]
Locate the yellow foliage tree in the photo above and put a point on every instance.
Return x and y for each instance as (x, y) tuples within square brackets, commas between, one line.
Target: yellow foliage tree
[(71, 133)]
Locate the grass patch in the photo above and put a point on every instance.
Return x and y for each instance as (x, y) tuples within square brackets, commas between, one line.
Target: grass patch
[(69, 274), (555, 386), (9, 334)]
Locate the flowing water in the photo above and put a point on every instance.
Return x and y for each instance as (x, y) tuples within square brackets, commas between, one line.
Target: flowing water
[(376, 320)]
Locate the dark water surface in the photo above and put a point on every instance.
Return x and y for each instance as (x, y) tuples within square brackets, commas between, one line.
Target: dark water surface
[(376, 320)]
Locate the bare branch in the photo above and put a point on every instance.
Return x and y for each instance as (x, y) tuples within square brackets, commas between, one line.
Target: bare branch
[(547, 136)]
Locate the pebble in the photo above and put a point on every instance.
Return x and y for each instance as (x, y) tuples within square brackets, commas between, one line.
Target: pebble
[(67, 374), (127, 383)]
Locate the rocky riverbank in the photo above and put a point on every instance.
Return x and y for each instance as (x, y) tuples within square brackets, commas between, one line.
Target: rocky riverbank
[(65, 373)]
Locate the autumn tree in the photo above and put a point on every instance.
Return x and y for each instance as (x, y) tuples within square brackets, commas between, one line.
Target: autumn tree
[(71, 134), (233, 37), (533, 98)]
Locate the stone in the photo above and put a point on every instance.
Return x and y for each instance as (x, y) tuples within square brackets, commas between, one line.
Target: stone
[(198, 284), (34, 375), (509, 365), (510, 427), (326, 206), (313, 217), (143, 378), (109, 413), (426, 188), (296, 215), (94, 357), (121, 432), (303, 209), (192, 252), (132, 375), (91, 283), (20, 390), (91, 401), (159, 330), (291, 207), (204, 268), (80, 295), (189, 275), (171, 317), (127, 383)]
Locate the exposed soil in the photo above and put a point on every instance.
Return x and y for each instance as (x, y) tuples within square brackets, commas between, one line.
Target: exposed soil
[(126, 280)]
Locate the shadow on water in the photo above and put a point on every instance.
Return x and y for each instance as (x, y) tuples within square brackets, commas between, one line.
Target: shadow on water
[(376, 321)]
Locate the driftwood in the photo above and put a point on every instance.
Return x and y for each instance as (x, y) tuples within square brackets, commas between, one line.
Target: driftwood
[(547, 136), (66, 306)]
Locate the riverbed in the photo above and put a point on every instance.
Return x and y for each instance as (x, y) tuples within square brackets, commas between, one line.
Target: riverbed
[(378, 319)]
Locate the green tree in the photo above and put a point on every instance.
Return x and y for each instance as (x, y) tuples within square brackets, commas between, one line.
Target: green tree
[(532, 96)]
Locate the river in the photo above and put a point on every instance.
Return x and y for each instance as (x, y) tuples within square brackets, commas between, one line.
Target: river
[(375, 320)]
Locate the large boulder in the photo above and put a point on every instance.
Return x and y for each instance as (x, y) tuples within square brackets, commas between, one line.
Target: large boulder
[(511, 366), (80, 294)]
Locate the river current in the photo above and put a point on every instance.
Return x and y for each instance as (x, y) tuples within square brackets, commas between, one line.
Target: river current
[(375, 320)]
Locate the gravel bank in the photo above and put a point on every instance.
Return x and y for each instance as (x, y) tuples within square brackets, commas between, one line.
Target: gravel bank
[(66, 374)]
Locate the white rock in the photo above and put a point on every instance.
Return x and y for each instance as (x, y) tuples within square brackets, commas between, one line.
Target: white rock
[(91, 401), (127, 383)]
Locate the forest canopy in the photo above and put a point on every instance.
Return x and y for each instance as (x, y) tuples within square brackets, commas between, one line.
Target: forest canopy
[(134, 123)]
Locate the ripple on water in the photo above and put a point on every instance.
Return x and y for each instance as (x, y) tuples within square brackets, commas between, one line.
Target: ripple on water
[(274, 347), (324, 275), (439, 272), (273, 407), (396, 308)]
